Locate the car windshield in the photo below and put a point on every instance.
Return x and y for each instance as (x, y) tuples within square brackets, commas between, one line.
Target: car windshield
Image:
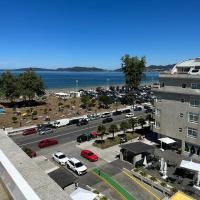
[(90, 154), (79, 164), (62, 156)]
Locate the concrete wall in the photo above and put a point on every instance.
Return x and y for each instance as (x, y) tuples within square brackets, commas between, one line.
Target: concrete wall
[(171, 107)]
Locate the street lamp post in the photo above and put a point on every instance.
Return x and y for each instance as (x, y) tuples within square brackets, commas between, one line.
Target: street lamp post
[(76, 85)]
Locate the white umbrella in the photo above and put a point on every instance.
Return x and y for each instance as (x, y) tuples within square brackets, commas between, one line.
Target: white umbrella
[(161, 165), (165, 171), (198, 178), (145, 161)]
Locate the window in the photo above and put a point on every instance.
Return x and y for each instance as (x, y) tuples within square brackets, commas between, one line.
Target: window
[(193, 117), (194, 102), (192, 132), (180, 130), (157, 112), (181, 114), (157, 125), (195, 85), (183, 85), (182, 100)]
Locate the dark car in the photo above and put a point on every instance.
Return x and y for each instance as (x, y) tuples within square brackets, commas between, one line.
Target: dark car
[(117, 113), (29, 131), (73, 121), (137, 109), (149, 110), (47, 142), (107, 120), (44, 126), (86, 137), (82, 122)]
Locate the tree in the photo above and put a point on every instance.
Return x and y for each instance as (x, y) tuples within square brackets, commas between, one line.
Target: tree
[(31, 84), (128, 99), (112, 88), (124, 126), (133, 67), (141, 121), (101, 129), (14, 119), (113, 129), (85, 99), (132, 122), (106, 100), (34, 114), (9, 86)]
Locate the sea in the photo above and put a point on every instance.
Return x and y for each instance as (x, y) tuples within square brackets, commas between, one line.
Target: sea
[(69, 80)]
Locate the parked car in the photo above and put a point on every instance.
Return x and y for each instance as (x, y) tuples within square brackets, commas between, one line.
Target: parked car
[(45, 131), (73, 121), (129, 115), (126, 111), (60, 123), (117, 113), (76, 166), (94, 134), (105, 115), (82, 122), (43, 126), (60, 158), (29, 131), (138, 108), (47, 142), (107, 120), (89, 155), (149, 110), (84, 137)]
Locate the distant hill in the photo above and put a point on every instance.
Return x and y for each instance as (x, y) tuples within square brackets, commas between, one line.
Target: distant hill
[(81, 69), (33, 68), (154, 68), (92, 69)]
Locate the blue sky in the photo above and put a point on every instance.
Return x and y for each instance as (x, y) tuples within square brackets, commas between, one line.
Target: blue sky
[(61, 33)]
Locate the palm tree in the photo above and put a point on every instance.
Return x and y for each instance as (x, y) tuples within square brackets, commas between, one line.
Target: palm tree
[(101, 129), (124, 126), (132, 123), (142, 122), (113, 129)]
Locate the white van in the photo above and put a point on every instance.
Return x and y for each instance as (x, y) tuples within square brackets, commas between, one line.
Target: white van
[(60, 123)]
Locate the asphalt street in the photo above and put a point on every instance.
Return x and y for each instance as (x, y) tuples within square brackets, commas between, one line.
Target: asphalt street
[(65, 134)]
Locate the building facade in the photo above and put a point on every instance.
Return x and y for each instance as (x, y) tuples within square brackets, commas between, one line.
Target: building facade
[(177, 113)]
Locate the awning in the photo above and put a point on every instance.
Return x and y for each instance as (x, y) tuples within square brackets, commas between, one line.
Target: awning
[(167, 140), (81, 193), (190, 165)]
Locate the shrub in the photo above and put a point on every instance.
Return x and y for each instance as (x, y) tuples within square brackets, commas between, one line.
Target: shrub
[(95, 191), (104, 198), (45, 111), (163, 184), (14, 119), (143, 174), (136, 170), (173, 190), (154, 179)]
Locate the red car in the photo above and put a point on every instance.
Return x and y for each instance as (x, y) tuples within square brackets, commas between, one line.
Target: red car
[(47, 142), (89, 155), (29, 131), (94, 134)]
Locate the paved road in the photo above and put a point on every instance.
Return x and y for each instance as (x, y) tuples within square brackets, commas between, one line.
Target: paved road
[(65, 134)]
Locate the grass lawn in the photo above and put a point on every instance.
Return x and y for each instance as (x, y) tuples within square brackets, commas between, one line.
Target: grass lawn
[(111, 142)]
